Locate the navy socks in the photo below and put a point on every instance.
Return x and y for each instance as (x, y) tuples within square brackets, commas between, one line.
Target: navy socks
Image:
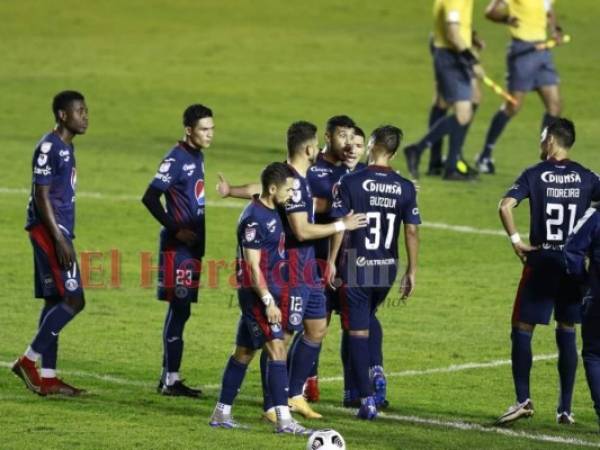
[(233, 377), (566, 341), (177, 315), (521, 362), (360, 361), (301, 359), (54, 321), (497, 125)]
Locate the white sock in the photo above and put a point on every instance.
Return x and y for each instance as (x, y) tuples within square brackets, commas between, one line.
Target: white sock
[(224, 409), (48, 373), (171, 378), (283, 414), (31, 355)]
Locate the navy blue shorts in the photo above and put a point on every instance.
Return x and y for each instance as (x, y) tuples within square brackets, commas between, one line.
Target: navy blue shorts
[(50, 279), (179, 271), (254, 329), (359, 304), (529, 69), (306, 302), (452, 77), (545, 286)]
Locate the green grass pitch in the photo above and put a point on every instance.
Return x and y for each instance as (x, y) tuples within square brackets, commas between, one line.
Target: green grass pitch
[(261, 65)]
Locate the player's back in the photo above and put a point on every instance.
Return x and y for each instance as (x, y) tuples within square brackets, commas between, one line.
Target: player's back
[(387, 199), (559, 193)]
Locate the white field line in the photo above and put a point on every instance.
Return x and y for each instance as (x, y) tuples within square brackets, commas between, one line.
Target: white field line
[(239, 205), (415, 420)]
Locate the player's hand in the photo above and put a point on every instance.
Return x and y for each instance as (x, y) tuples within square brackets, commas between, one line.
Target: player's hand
[(64, 252), (407, 285), (273, 313), (353, 221), (521, 249), (478, 43), (478, 71), (188, 237), (330, 275), (223, 186), (512, 21)]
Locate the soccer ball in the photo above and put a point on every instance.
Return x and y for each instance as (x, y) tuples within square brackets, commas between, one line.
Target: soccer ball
[(326, 440)]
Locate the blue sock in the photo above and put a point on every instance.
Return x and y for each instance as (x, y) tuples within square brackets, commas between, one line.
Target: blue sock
[(457, 139), (315, 369), (233, 377), (566, 341), (350, 389), (547, 119), (50, 355), (497, 125), (441, 128), (521, 362), (267, 400), (591, 363), (177, 315), (278, 382), (375, 342), (435, 157), (360, 360), (301, 361), (55, 320)]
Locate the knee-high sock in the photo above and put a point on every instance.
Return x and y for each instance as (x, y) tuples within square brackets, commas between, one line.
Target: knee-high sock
[(375, 342), (233, 377), (566, 341), (278, 382), (315, 369), (497, 125), (457, 139), (350, 389), (177, 315), (264, 378), (435, 157), (441, 128), (590, 335), (55, 320), (521, 362), (50, 355), (301, 361), (547, 119), (359, 360)]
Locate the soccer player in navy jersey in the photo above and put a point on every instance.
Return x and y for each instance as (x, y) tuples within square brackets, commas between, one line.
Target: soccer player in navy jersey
[(307, 298), (180, 178), (369, 256), (263, 296), (559, 192), (51, 225), (585, 242)]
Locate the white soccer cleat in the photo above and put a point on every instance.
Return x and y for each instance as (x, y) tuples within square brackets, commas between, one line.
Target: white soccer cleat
[(565, 418), (293, 427), (516, 412)]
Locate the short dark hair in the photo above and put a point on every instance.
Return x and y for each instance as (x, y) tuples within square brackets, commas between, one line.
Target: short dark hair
[(359, 131), (388, 137), (339, 121), (298, 133), (275, 173), (63, 100), (563, 131), (194, 113)]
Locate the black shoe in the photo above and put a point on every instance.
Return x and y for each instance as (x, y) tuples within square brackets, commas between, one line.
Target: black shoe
[(455, 175), (486, 165), (413, 157), (435, 170), (178, 389)]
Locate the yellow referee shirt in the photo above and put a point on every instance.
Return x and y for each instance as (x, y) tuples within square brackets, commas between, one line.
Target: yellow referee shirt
[(452, 11), (532, 16)]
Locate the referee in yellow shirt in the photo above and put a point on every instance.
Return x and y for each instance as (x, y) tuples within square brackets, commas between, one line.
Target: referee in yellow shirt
[(528, 69), (455, 65)]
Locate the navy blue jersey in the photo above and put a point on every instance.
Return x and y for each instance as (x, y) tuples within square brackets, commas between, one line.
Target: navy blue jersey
[(559, 193), (388, 200), (181, 177), (260, 228), (585, 242), (53, 165)]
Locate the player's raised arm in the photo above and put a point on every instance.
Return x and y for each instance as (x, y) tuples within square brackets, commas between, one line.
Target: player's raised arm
[(305, 231), (259, 284), (245, 191)]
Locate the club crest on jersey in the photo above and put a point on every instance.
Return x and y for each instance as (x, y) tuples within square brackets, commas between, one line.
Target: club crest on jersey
[(42, 159), (71, 285), (250, 233), (45, 147), (199, 192)]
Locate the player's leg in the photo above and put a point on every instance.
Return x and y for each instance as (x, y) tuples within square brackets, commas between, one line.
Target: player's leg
[(566, 342), (438, 110), (463, 111), (233, 377), (376, 372), (50, 356), (550, 96)]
